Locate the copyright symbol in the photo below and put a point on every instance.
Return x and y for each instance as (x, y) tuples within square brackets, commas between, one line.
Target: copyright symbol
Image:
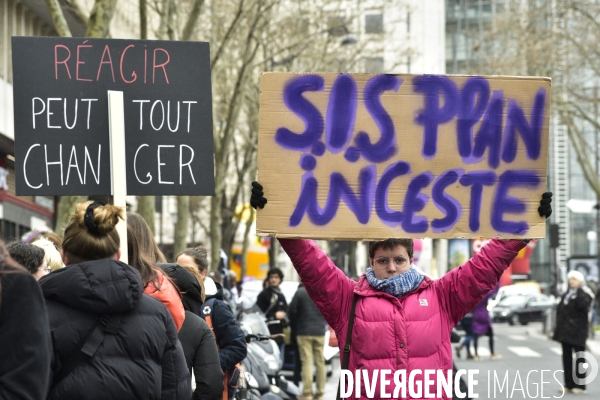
[(586, 368)]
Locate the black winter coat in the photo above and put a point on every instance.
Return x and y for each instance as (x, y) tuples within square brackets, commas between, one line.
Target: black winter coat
[(230, 338), (25, 346), (277, 299), (201, 353), (305, 317), (572, 319), (144, 360), (197, 339)]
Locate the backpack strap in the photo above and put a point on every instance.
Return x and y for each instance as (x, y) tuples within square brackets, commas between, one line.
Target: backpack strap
[(348, 344), (88, 347), (206, 312)]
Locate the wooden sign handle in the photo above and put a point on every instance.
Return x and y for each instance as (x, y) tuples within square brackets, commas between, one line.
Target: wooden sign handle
[(116, 123)]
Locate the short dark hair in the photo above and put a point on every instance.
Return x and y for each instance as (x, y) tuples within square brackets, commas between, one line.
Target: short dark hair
[(275, 271), (26, 254), (390, 244)]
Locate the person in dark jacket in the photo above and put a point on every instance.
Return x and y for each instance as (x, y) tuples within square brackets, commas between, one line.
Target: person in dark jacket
[(272, 302), (310, 326), (230, 338), (143, 359), (197, 339), (25, 344), (572, 318)]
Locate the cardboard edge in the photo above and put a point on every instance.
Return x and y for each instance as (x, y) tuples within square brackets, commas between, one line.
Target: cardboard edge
[(546, 79), (375, 239)]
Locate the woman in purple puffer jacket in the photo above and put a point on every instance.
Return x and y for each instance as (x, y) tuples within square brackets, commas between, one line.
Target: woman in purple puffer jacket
[(403, 319), (482, 325)]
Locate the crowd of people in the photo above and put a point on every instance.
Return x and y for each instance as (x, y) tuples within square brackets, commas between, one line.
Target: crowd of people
[(84, 325), (98, 328)]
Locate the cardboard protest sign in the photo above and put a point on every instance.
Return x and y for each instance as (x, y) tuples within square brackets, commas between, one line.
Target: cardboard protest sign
[(357, 156), (62, 144)]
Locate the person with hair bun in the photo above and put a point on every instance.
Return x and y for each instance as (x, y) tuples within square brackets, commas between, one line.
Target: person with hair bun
[(138, 355), (144, 255)]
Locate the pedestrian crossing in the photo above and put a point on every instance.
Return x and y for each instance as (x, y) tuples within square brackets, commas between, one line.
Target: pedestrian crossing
[(523, 351), (556, 350), (517, 337)]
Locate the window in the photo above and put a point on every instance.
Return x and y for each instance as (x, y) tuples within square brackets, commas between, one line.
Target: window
[(374, 23), (374, 65), (9, 231), (336, 26)]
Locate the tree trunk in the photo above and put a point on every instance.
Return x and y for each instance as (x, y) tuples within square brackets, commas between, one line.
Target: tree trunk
[(147, 209), (60, 23), (143, 19), (99, 22), (75, 7), (273, 253), (215, 230), (193, 18), (246, 244), (183, 212), (66, 206)]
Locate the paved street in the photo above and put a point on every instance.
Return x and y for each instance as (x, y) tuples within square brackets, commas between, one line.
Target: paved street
[(523, 349)]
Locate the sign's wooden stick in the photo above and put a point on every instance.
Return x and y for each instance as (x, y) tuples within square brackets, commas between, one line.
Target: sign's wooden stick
[(116, 123)]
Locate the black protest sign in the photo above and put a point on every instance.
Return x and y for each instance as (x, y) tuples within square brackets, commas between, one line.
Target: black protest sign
[(61, 115)]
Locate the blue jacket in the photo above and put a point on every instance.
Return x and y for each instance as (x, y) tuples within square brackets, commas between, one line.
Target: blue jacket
[(230, 338)]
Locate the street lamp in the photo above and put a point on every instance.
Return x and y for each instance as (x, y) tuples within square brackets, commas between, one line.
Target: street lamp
[(349, 39)]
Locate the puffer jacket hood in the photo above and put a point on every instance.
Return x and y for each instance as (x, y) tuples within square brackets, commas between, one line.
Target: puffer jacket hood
[(100, 287), (213, 289), (191, 294), (142, 360)]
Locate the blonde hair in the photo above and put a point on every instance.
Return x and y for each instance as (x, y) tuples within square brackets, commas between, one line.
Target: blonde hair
[(194, 271), (81, 243), (52, 255)]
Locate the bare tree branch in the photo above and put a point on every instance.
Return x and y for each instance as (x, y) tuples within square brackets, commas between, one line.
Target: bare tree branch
[(192, 20), (143, 6), (60, 23), (228, 34), (100, 17), (75, 7)]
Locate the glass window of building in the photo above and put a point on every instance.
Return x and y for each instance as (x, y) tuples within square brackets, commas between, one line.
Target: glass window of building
[(374, 23)]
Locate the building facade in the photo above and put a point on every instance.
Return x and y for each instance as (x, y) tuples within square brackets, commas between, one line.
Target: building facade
[(466, 22)]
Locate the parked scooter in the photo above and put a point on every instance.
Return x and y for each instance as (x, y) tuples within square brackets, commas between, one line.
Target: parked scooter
[(262, 365)]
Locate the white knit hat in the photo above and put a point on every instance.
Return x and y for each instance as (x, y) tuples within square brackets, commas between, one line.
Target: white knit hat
[(577, 275)]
